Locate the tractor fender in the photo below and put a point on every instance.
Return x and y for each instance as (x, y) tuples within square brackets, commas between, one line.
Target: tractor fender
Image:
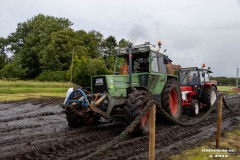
[(208, 84), (214, 85)]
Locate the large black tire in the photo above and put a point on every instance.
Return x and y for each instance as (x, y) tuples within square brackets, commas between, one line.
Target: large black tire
[(73, 119), (209, 96), (136, 102), (171, 98)]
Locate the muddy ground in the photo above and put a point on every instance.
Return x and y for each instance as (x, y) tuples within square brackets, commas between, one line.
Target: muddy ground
[(39, 130)]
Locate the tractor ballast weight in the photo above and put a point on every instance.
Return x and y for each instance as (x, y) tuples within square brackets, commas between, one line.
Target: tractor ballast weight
[(125, 93), (198, 91)]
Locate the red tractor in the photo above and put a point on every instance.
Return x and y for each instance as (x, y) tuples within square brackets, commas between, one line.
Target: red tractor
[(198, 91)]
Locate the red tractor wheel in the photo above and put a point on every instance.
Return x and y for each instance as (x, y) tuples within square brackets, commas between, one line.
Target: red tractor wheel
[(172, 98), (195, 108), (144, 126)]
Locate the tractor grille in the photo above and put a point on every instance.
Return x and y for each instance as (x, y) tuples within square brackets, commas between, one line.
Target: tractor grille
[(99, 84)]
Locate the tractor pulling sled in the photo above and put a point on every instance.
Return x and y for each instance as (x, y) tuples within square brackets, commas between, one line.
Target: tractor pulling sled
[(140, 75)]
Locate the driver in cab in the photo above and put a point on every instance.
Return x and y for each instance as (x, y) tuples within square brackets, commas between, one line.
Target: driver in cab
[(144, 66)]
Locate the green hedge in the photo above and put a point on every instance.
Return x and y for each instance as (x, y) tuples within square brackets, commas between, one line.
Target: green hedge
[(53, 76)]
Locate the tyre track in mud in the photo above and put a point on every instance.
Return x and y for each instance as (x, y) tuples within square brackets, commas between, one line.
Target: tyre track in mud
[(29, 131), (38, 130)]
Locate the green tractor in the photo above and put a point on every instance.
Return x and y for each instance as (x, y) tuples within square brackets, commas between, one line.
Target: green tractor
[(140, 74)]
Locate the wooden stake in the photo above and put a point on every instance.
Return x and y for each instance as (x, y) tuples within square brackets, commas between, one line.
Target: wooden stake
[(152, 132), (218, 136)]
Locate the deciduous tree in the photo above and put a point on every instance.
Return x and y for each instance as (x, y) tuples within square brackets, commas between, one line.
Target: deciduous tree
[(32, 37)]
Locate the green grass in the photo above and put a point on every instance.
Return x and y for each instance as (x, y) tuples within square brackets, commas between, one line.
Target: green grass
[(20, 90), (15, 90), (227, 89), (230, 140), (20, 83)]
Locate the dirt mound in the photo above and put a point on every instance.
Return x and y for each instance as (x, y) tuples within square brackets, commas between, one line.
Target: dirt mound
[(39, 130)]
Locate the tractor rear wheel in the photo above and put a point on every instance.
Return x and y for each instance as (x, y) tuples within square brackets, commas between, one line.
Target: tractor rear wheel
[(209, 96), (135, 104), (195, 108), (171, 98)]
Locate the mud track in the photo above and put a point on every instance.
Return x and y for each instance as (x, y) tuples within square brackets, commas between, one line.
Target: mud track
[(39, 130)]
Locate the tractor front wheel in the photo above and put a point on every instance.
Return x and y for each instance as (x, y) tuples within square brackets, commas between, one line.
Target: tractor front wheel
[(195, 107), (171, 98)]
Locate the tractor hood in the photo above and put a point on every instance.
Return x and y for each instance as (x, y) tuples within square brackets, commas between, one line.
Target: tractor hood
[(115, 85)]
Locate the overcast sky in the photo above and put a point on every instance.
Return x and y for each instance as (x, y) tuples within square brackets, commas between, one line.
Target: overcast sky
[(192, 31)]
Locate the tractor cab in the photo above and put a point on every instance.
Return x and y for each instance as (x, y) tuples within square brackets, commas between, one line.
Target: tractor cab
[(135, 65), (194, 78), (138, 66), (197, 88)]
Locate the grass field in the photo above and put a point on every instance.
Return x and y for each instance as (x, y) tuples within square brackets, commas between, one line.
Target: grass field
[(20, 90), (227, 89)]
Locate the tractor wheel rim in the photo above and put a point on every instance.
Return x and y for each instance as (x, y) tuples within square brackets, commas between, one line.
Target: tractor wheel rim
[(145, 119), (213, 97), (196, 108), (173, 102)]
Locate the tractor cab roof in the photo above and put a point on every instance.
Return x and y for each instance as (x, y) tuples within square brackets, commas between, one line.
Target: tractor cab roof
[(196, 69), (140, 50)]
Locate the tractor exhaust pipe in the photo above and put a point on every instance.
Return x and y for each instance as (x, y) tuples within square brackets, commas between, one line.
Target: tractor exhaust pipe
[(130, 66)]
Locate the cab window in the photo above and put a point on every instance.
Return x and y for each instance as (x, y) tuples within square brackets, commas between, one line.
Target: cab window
[(121, 65), (154, 62)]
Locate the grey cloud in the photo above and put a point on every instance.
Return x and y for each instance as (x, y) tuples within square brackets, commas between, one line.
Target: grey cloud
[(193, 32)]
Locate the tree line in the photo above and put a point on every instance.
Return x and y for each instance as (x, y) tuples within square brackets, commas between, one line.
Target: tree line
[(225, 81), (42, 49)]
